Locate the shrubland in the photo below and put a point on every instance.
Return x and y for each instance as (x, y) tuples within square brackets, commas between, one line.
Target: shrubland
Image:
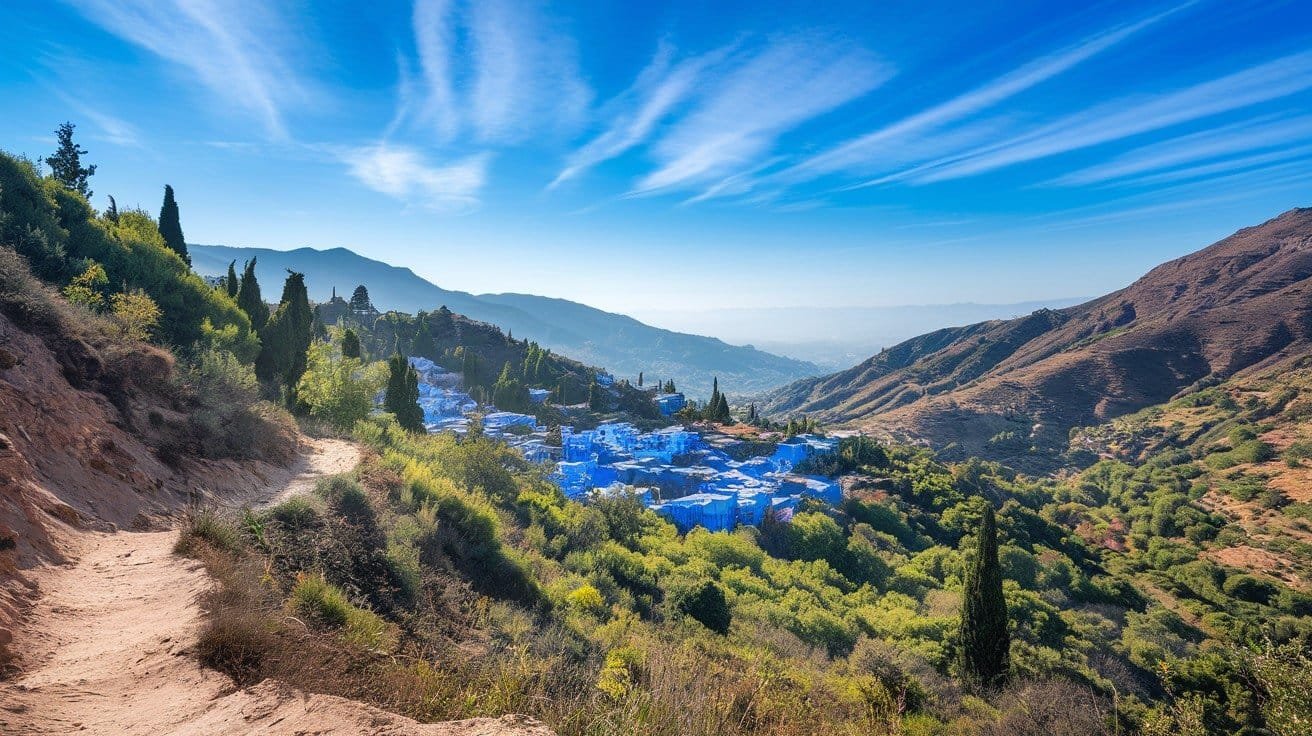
[(492, 592)]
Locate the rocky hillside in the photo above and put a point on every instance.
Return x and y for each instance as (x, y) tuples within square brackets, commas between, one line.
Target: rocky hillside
[(98, 431), (1004, 389)]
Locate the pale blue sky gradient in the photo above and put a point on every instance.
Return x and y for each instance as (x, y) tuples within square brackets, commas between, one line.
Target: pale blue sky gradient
[(635, 157)]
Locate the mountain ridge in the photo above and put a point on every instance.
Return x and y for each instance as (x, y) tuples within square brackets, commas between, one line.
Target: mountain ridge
[(618, 342), (1005, 388)]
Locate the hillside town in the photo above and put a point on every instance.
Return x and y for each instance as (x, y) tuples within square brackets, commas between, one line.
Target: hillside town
[(692, 480)]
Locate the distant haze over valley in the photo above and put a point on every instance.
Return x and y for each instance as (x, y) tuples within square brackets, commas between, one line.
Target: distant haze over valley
[(835, 337), (614, 342)]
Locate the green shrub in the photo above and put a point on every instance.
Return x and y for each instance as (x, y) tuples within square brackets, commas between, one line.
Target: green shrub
[(207, 528), (705, 603)]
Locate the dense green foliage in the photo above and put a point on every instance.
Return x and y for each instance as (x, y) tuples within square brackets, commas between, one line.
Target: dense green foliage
[(350, 344), (61, 237), (852, 616), (337, 389)]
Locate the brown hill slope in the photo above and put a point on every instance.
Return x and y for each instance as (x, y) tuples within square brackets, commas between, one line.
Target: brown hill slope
[(1002, 389)]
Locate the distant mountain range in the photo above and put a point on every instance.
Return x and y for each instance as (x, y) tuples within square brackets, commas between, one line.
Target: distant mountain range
[(616, 342), (835, 337), (1012, 390)]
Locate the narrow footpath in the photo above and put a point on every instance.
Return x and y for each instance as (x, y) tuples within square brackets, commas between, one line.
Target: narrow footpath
[(108, 648)]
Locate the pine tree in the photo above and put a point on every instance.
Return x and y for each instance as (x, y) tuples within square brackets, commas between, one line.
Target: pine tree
[(350, 344), (639, 379), (66, 162), (249, 299), (111, 213), (984, 641), (360, 300), (231, 281), (402, 395), (170, 225)]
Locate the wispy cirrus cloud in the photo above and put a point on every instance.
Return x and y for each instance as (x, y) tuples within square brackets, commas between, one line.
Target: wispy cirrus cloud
[(657, 93), (238, 50), (750, 100), (495, 71), (883, 145), (1248, 135), (405, 173), (1124, 118)]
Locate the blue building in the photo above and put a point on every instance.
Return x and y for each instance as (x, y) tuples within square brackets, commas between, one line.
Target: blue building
[(713, 511), (670, 403)]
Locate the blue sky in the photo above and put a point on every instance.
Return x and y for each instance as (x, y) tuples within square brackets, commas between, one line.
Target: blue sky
[(637, 156)]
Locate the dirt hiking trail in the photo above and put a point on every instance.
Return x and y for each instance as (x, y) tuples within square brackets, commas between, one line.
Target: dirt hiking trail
[(106, 650)]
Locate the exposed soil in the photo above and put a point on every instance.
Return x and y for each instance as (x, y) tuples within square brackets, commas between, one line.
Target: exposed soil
[(106, 648)]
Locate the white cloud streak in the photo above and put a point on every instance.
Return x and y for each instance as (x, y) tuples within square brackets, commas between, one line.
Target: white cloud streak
[(1249, 135), (496, 71), (404, 173), (867, 150), (1128, 117), (754, 99), (659, 90), (236, 49)]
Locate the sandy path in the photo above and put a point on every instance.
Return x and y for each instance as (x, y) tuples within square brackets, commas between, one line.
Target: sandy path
[(107, 648)]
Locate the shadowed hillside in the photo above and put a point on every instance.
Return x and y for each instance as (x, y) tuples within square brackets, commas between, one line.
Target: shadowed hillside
[(1003, 388), (622, 344)]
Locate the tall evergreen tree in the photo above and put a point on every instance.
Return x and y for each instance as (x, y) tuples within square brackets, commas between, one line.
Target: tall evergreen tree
[(360, 299), (170, 225), (984, 640), (111, 212), (509, 393), (66, 162), (350, 344), (639, 379), (402, 395), (249, 299), (286, 337), (230, 281)]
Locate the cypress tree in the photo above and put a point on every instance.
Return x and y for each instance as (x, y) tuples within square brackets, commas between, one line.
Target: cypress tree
[(231, 281), (286, 337), (111, 213), (170, 225), (66, 162), (402, 395), (639, 379), (249, 299), (984, 640), (350, 344)]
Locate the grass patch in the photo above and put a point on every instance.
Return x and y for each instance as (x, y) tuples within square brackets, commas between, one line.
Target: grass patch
[(326, 605), (206, 528)]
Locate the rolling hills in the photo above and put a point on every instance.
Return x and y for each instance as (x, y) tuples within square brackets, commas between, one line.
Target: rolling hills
[(1013, 389), (621, 344)]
